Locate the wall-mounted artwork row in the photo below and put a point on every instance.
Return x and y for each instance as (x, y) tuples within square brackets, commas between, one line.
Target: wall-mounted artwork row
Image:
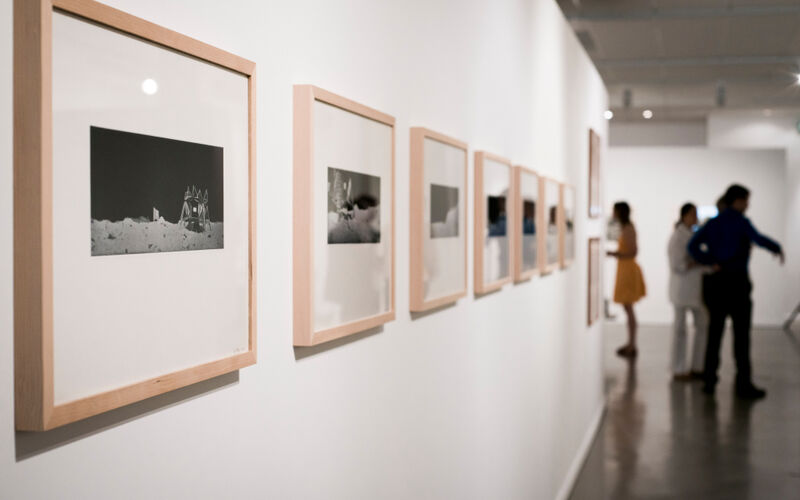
[(438, 218), (528, 240), (567, 230), (493, 239), (551, 202), (134, 211), (594, 288), (595, 203), (343, 216)]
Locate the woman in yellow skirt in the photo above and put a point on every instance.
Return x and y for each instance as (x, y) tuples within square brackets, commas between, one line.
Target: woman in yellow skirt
[(630, 282)]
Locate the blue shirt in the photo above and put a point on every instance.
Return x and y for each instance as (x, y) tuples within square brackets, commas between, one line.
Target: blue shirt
[(726, 239)]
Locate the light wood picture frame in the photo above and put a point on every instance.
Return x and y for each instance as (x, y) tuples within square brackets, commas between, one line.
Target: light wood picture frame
[(370, 141), (433, 255), (499, 188), (40, 401), (566, 233), (551, 225), (595, 207), (528, 226), (594, 286)]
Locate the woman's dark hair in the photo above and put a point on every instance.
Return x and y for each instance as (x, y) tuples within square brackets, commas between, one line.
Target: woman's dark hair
[(623, 212), (685, 209), (736, 192)]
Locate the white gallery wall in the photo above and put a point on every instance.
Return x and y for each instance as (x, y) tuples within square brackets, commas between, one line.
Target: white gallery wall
[(656, 181), (495, 397)]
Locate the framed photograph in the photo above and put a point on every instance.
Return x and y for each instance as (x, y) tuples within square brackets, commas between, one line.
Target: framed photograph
[(493, 240), (594, 299), (595, 204), (134, 211), (551, 202), (343, 216), (527, 206), (567, 220), (438, 215)]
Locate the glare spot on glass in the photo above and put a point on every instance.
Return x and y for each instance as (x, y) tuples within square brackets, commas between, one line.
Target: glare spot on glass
[(647, 114), (706, 212), (149, 86)]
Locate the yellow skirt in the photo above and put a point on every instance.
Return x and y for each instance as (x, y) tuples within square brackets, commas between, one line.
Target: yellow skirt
[(630, 282)]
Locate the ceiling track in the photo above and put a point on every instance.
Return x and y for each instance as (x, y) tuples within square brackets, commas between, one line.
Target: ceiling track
[(684, 13), (696, 61), (669, 82)]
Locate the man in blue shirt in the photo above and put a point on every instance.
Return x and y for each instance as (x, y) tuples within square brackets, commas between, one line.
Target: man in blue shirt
[(724, 244)]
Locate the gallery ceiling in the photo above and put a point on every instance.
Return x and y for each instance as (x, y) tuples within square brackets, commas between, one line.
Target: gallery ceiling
[(681, 59)]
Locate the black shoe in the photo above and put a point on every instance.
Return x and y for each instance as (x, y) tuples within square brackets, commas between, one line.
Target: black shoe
[(708, 389), (750, 392)]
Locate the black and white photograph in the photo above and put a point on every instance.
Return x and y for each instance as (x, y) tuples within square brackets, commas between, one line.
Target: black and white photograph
[(444, 211), (552, 234), (153, 194), (497, 215), (353, 207), (569, 234), (569, 241), (528, 217), (529, 243)]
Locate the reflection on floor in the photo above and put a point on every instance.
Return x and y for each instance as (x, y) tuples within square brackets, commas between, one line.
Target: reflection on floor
[(663, 439)]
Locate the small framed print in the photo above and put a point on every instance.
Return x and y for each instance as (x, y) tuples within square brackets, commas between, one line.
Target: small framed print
[(567, 221), (551, 201), (595, 207), (134, 210), (438, 215), (594, 288), (343, 216), (526, 199), (493, 240)]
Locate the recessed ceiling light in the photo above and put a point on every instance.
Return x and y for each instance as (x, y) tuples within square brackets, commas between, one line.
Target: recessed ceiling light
[(647, 114), (608, 114), (149, 86)]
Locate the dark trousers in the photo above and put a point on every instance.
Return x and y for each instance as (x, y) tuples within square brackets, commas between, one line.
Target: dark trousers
[(728, 294)]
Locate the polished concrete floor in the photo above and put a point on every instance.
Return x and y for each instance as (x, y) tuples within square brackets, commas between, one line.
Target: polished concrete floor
[(662, 439)]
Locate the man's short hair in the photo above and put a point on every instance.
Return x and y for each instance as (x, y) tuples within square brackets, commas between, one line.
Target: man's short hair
[(736, 192)]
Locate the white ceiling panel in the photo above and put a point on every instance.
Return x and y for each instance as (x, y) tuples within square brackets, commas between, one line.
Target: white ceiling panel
[(761, 95), (778, 73), (675, 55), (687, 4), (633, 74), (762, 3), (695, 37), (624, 39), (767, 35)]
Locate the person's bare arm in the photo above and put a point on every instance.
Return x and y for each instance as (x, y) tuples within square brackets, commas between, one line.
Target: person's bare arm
[(629, 240)]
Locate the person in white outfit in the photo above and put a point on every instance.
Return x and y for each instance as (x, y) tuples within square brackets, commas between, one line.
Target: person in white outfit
[(686, 294)]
